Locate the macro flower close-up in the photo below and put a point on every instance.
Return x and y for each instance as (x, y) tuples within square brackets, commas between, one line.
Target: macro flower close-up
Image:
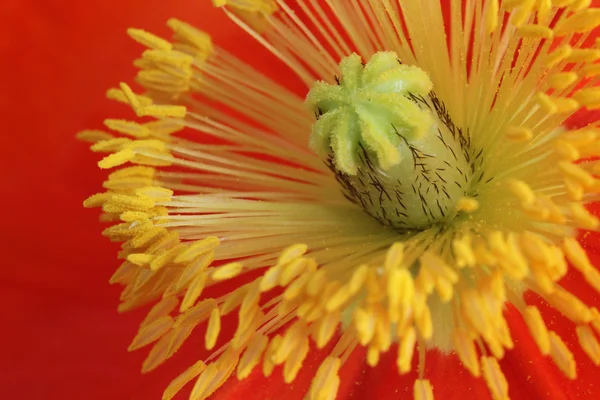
[(347, 199)]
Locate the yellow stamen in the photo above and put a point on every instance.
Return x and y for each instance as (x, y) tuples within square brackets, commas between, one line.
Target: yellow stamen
[(589, 343), (494, 378), (227, 271), (422, 390), (149, 40), (538, 329), (562, 356)]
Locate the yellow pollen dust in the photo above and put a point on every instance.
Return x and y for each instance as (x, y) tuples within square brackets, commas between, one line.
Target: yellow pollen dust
[(273, 260)]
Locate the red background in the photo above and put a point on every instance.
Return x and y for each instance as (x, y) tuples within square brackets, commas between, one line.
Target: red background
[(61, 334)]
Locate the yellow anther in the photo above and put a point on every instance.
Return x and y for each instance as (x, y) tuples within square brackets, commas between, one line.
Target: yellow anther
[(510, 5), (151, 332), (130, 128), (558, 55), (467, 204), (543, 10), (581, 137), (193, 292), (140, 259), (589, 343), (584, 55), (146, 237), (483, 255), (110, 145), (94, 135), (579, 5), (165, 242), (577, 173), (522, 13), (438, 267), (523, 192), (162, 81), (422, 390), (424, 323), (405, 350), (292, 270), (562, 356), (200, 40), (562, 3), (252, 355), (159, 111), (227, 271), (519, 134), (295, 289), (582, 217), (165, 257), (143, 63), (165, 126), (327, 327), (268, 365), (475, 313), (538, 328), (119, 95), (137, 171), (157, 194), (589, 97), (338, 299), (131, 97), (130, 216), (580, 22), (494, 378), (463, 252), (509, 255), (173, 58), (559, 105), (116, 159), (562, 80), (535, 248), (178, 383), (123, 202), (148, 39), (213, 329), (316, 283), (260, 6), (491, 16), (466, 351), (535, 31), (566, 150), (270, 278), (197, 248), (592, 277), (546, 102), (358, 279), (147, 145), (292, 336), (291, 253), (364, 322), (590, 71), (400, 291), (394, 256), (326, 381), (97, 200), (574, 189), (568, 304)]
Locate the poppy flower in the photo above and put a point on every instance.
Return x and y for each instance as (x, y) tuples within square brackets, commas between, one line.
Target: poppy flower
[(438, 189)]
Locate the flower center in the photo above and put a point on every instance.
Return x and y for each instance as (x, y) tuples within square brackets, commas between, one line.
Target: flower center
[(393, 145)]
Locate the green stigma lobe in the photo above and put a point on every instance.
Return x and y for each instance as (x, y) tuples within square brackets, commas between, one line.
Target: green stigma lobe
[(369, 108)]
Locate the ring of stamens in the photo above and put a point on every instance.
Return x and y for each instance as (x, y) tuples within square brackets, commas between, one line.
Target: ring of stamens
[(339, 267)]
